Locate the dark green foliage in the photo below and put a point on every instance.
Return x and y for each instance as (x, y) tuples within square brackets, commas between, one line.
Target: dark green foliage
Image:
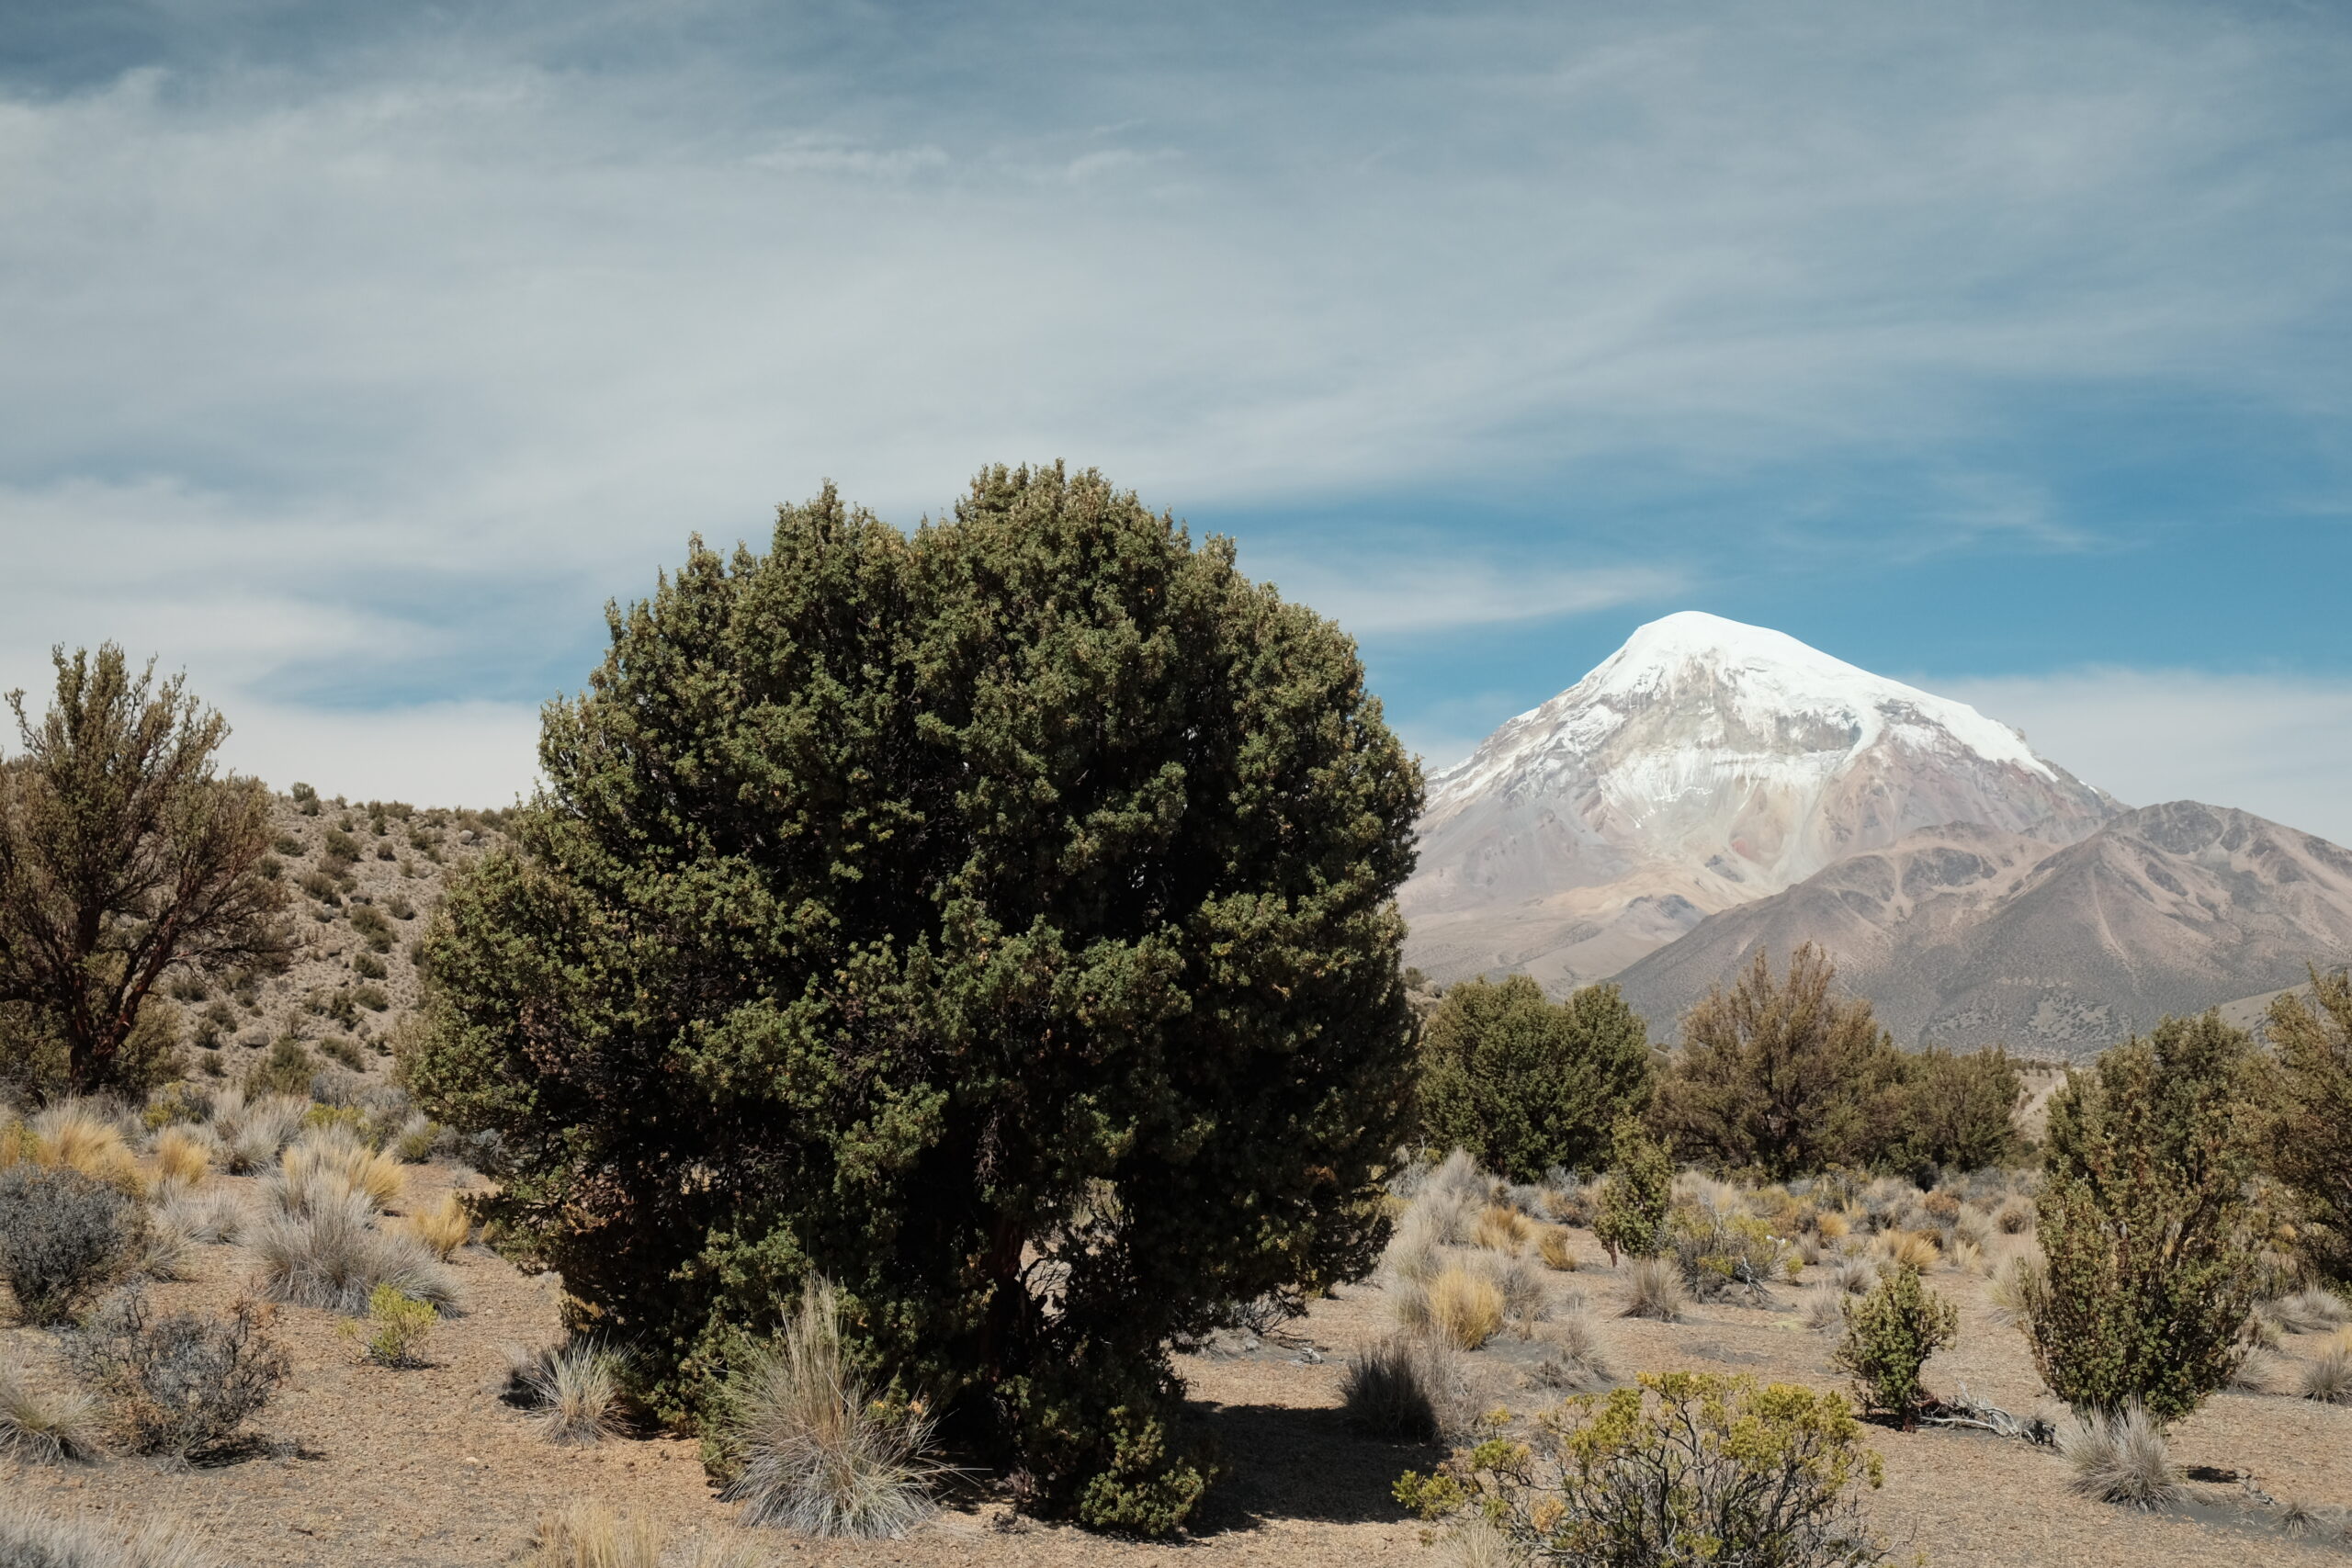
[(2146, 1223), (125, 860), (1890, 1334), (179, 1384), (64, 1237), (1782, 1078), (287, 1069), (1636, 1194), (1952, 1110), (2308, 1144), (1524, 1084), (997, 922)]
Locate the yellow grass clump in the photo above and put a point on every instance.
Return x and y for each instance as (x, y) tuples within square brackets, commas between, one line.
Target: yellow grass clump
[(589, 1536), (334, 1154), (70, 1136), (1916, 1250), (1502, 1230), (444, 1227), (1552, 1245), (1833, 1225), (181, 1156), (1465, 1309)]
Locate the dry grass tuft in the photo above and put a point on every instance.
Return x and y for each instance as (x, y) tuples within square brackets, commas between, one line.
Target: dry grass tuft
[(2255, 1372), (30, 1540), (330, 1158), (574, 1390), (820, 1455), (1913, 1249), (444, 1227), (1823, 1309), (331, 1255), (2008, 1290), (2310, 1310), (254, 1130), (1502, 1230), (1580, 1361), (2327, 1378), (182, 1156), (76, 1136), (1656, 1291), (2121, 1459), (1464, 1308), (590, 1536), (1552, 1245), (1833, 1225), (2014, 1217), (39, 1428), (1408, 1388), (1413, 1250)]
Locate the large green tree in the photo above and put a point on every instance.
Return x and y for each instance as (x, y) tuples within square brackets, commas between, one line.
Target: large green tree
[(126, 857), (2308, 1144), (998, 922), (1524, 1083), (1783, 1075), (2146, 1223)]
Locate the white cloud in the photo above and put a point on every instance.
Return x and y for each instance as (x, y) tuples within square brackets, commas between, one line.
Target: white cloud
[(1376, 593), (478, 754), (2278, 746)]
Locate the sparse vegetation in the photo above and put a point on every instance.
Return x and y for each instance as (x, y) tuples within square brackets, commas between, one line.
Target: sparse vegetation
[(1637, 1478), (287, 1071), (1408, 1388), (331, 1255), (1524, 1083), (574, 1390), (180, 1383), (31, 1540), (43, 1427), (1656, 1291), (2119, 1456)]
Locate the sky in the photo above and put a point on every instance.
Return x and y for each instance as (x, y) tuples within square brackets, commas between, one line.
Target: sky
[(352, 356)]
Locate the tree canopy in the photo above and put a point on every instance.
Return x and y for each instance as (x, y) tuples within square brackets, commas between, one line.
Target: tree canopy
[(997, 922), (1524, 1083)]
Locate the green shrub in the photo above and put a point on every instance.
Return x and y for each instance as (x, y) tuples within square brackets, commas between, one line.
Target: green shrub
[(64, 1237), (371, 996), (1890, 1334), (287, 1069), (373, 929), (1953, 1111), (1781, 1077), (1685, 1468), (1007, 902), (341, 848), (1635, 1195), (395, 1327), (290, 846), (2308, 1144), (1717, 1254), (2146, 1223), (367, 966), (1524, 1084), (322, 886), (341, 1050)]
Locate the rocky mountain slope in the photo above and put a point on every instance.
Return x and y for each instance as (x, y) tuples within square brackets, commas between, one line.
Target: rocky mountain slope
[(1704, 765), (1965, 935)]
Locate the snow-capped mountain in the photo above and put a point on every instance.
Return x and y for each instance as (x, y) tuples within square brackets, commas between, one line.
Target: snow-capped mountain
[(1704, 765)]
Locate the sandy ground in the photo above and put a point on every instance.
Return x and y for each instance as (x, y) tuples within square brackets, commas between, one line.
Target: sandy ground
[(428, 1468)]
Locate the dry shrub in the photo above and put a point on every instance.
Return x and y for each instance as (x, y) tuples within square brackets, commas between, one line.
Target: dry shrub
[(182, 1156), (331, 1255), (1910, 1250), (1408, 1388), (444, 1227), (331, 1157), (590, 1536), (2310, 1310), (30, 1540), (179, 1384), (1465, 1308), (1833, 1225), (1822, 1309), (819, 1454), (37, 1427), (211, 1217), (1502, 1230), (2120, 1458), (574, 1390), (2014, 1217), (1656, 1291), (2327, 1378), (65, 1237), (1579, 1358), (1552, 1245)]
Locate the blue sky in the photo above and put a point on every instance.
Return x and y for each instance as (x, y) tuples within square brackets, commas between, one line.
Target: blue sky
[(355, 354)]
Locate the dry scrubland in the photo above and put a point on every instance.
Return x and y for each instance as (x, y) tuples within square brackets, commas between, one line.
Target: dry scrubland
[(1497, 1297)]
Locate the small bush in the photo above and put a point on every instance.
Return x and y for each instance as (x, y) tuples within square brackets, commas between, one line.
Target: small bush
[(331, 1256), (367, 966), (1579, 1360), (820, 1455), (184, 1156), (323, 887), (399, 908), (38, 1427), (444, 1227), (1643, 1475), (2120, 1458), (290, 846), (1552, 1245), (29, 1540), (341, 1050), (64, 1237), (182, 1383), (1717, 1253), (1890, 1334), (373, 929), (417, 1138), (396, 1327), (371, 996), (1405, 1388), (1635, 1199), (341, 848), (1503, 1230), (287, 1071), (574, 1390), (1656, 1291), (1465, 1308)]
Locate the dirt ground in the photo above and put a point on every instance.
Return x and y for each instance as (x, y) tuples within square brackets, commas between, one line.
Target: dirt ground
[(428, 1468)]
